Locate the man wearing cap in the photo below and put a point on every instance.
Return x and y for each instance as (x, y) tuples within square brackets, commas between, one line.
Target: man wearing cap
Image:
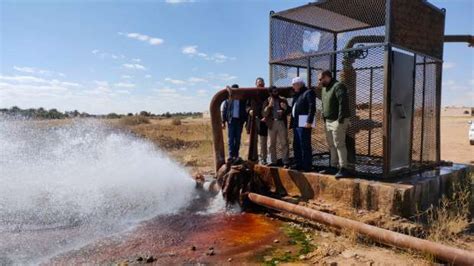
[(275, 111), (262, 129), (302, 118), (235, 115), (336, 115)]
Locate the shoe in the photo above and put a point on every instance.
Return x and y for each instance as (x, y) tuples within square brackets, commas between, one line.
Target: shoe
[(329, 171), (272, 164), (343, 172), (286, 166)]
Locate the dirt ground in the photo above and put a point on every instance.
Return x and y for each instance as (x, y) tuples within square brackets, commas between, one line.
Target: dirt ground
[(455, 145)]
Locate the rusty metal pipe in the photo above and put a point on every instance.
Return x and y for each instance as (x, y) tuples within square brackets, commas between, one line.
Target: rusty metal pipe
[(216, 124), (469, 39), (448, 254)]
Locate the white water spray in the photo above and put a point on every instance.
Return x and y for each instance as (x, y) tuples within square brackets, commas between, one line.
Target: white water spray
[(81, 180)]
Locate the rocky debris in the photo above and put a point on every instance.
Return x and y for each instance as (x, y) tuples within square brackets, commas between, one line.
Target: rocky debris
[(193, 248), (149, 259), (229, 259), (142, 259), (276, 241), (210, 251)]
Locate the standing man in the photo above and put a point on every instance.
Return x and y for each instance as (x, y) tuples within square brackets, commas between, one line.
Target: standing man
[(336, 116), (262, 129), (302, 118), (235, 115), (275, 111)]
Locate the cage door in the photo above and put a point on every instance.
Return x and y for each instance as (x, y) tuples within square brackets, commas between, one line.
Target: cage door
[(401, 109)]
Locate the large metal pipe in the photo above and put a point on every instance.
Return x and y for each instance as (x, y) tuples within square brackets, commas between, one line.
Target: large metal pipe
[(469, 39), (448, 254)]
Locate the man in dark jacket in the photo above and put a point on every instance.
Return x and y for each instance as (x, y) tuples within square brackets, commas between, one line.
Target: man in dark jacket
[(336, 115), (235, 115), (302, 118), (275, 112)]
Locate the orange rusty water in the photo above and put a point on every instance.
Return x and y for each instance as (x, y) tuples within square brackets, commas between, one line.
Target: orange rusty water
[(170, 239)]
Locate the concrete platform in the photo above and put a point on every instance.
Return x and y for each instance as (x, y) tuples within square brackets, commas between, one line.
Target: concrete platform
[(403, 197)]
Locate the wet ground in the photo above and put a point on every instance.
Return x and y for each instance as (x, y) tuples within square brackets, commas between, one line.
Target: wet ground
[(183, 238)]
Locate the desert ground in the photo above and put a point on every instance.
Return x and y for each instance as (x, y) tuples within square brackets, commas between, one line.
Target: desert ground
[(454, 139), (189, 141)]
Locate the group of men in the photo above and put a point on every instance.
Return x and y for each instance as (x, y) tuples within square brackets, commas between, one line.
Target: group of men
[(271, 122)]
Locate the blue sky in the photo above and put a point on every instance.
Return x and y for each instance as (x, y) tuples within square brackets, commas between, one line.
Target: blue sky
[(127, 56)]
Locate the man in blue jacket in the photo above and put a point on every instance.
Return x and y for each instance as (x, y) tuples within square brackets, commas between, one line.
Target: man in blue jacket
[(302, 118), (235, 115)]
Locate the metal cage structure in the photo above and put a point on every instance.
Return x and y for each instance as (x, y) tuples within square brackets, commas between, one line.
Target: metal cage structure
[(389, 55), (390, 59)]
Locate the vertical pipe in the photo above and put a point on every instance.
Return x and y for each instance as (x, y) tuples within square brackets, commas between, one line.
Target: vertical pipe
[(253, 138), (412, 111), (387, 89), (439, 79), (387, 110), (334, 57), (308, 78), (370, 110), (216, 123)]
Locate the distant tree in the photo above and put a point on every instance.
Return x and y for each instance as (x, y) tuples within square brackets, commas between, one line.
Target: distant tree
[(144, 113), (113, 116)]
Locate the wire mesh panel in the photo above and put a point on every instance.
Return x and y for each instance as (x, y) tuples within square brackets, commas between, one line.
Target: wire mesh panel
[(418, 107), (429, 114), (290, 41)]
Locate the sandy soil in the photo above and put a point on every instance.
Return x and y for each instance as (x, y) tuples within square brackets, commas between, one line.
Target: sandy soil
[(455, 145)]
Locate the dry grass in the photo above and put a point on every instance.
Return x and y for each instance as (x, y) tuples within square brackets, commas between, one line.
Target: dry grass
[(452, 217), (133, 120), (176, 122)]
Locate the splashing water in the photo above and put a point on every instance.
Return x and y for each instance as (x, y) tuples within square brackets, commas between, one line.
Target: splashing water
[(64, 186)]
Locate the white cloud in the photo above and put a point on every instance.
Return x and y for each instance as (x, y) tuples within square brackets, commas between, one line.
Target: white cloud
[(192, 50), (134, 66), (448, 65), (104, 55), (123, 91), (36, 80), (175, 81), (225, 77), (126, 77), (197, 80), (136, 60), (147, 76), (143, 38), (124, 85), (38, 71), (202, 92), (165, 90)]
